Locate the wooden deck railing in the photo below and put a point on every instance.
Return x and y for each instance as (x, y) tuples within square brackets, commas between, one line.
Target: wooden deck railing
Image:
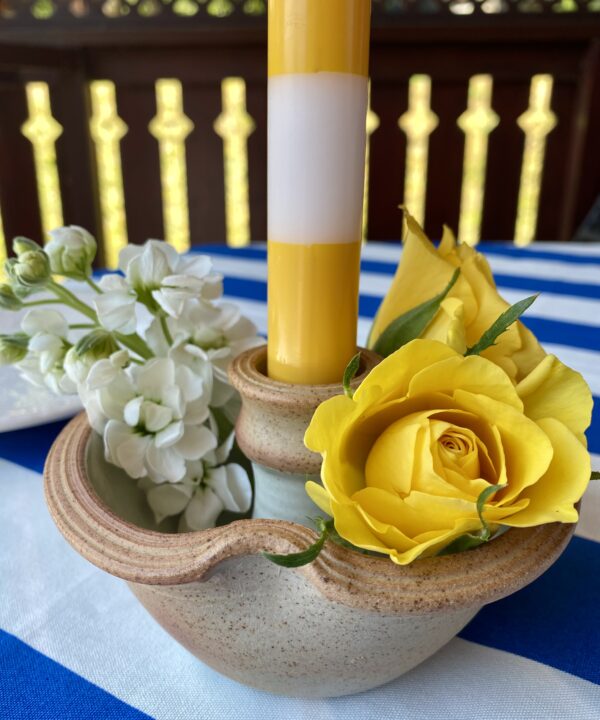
[(142, 118)]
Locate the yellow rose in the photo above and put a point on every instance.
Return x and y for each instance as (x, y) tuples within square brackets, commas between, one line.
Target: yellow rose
[(428, 430), (470, 308)]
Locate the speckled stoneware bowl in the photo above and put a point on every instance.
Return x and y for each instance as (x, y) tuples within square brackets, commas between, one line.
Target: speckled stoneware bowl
[(343, 624)]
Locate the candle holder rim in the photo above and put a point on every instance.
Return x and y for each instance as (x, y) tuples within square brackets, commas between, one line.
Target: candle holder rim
[(339, 574), (246, 368)]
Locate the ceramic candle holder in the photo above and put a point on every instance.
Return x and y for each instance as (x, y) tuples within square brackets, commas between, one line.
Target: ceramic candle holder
[(343, 624), (270, 431)]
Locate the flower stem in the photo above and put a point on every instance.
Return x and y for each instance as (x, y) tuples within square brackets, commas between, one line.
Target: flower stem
[(93, 285), (68, 298), (82, 326), (165, 329), (136, 344), (43, 302)]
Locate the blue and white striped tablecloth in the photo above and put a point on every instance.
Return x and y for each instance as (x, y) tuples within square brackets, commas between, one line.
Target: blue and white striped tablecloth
[(74, 642)]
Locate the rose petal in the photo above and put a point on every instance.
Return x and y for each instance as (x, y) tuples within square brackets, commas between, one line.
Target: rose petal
[(553, 390), (553, 497)]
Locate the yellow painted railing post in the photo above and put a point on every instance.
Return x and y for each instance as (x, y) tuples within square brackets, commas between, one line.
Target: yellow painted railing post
[(477, 122), (234, 125), (418, 122), (171, 127), (107, 130), (537, 122), (42, 131)]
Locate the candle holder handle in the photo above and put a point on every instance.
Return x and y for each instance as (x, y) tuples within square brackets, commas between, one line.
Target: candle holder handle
[(270, 432)]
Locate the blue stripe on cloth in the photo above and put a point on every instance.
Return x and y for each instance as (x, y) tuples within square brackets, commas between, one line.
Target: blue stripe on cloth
[(550, 331), (509, 281), (564, 333), (29, 447), (535, 254), (528, 285), (33, 687), (554, 620)]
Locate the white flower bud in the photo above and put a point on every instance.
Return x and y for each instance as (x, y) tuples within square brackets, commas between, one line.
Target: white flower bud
[(95, 346), (31, 269), (13, 348), (71, 251), (22, 245)]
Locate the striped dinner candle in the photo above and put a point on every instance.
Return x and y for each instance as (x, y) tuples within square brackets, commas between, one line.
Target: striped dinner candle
[(318, 94)]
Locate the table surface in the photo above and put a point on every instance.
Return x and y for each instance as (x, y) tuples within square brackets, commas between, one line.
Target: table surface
[(74, 642)]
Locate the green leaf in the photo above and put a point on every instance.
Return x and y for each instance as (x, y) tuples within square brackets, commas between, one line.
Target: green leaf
[(294, 560), (350, 374), (501, 325), (595, 475), (481, 501), (409, 326), (468, 541)]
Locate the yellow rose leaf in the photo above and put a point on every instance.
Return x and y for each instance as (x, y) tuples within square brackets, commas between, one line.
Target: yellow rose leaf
[(553, 390)]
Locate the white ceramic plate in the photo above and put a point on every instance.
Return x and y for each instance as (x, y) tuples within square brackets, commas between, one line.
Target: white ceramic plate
[(23, 405)]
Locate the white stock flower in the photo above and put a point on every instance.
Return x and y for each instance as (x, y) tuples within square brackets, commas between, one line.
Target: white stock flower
[(218, 334), (207, 337), (116, 306), (43, 365), (210, 486), (71, 251), (162, 278), (155, 423), (106, 389)]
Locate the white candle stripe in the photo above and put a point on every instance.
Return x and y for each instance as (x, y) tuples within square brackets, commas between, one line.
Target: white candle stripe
[(317, 128)]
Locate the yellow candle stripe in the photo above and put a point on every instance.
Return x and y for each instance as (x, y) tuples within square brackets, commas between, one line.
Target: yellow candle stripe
[(313, 310), (306, 36)]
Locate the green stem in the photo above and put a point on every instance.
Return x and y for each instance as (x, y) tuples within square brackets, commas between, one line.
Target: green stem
[(165, 329), (70, 299), (93, 285), (134, 342), (83, 326), (43, 302)]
